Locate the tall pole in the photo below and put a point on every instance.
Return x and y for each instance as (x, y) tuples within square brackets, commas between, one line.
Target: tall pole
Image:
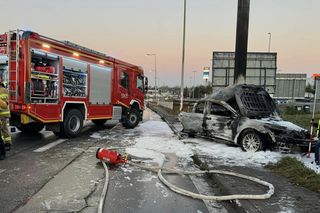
[(183, 54), (155, 75), (155, 72), (269, 41), (313, 112), (241, 41), (194, 80)]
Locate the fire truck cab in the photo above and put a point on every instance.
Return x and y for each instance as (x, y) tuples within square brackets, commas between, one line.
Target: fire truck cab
[(58, 85)]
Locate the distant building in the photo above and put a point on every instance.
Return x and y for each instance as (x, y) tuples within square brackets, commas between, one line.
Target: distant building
[(261, 69), (290, 86)]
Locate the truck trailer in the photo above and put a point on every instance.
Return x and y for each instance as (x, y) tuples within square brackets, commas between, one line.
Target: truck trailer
[(59, 84)]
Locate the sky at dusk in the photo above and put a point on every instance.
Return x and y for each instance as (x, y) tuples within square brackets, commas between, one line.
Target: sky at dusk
[(129, 29)]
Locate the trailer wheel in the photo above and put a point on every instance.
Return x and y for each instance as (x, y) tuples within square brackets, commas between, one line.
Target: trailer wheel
[(72, 124), (132, 119), (250, 141), (30, 128), (99, 122)]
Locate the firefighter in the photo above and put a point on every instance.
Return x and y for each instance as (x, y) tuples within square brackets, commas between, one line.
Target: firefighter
[(3, 105), (4, 115)]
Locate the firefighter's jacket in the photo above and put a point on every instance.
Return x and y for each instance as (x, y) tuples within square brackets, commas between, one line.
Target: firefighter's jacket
[(4, 106)]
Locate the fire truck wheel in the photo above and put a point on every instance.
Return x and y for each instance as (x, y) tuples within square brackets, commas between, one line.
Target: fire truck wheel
[(99, 122), (72, 124), (132, 119), (31, 128)]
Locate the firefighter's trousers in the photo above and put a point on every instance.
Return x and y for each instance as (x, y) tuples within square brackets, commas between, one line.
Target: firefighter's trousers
[(4, 130), (2, 150)]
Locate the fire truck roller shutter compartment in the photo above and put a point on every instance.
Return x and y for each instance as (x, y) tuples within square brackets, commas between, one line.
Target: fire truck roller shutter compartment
[(100, 84), (44, 77), (75, 79)]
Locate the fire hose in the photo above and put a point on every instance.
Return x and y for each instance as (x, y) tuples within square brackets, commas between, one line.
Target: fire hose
[(184, 192)]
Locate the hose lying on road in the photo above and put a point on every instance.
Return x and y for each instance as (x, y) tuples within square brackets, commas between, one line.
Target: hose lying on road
[(184, 192), (105, 188), (223, 197), (208, 197)]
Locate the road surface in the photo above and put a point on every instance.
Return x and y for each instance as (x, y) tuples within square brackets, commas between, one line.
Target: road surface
[(46, 173)]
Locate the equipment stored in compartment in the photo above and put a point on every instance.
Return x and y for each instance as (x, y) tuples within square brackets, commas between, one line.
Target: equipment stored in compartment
[(59, 85), (44, 77)]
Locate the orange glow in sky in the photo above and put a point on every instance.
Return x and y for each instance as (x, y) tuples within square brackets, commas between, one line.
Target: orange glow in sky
[(128, 29)]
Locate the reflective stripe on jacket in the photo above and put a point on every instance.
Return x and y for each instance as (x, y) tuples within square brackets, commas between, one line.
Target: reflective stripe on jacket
[(4, 107)]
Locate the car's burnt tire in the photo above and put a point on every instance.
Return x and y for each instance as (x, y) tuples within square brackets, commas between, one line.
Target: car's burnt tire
[(250, 141), (99, 122), (30, 128), (132, 119), (72, 124)]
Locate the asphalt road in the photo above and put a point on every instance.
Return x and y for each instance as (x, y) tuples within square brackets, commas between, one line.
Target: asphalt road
[(38, 162), (25, 171)]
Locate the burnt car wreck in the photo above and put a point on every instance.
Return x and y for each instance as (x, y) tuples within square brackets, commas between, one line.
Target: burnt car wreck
[(244, 115)]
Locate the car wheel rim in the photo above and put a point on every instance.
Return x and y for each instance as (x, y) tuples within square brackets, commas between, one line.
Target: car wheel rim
[(251, 142), (74, 124)]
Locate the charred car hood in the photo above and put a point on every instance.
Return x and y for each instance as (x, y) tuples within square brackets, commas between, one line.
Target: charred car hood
[(252, 101), (280, 124)]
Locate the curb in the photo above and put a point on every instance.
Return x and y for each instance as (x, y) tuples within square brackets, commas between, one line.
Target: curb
[(172, 127), (231, 206)]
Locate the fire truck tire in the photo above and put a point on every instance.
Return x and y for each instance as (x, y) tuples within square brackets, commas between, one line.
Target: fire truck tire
[(30, 128), (72, 124), (99, 122), (132, 119)]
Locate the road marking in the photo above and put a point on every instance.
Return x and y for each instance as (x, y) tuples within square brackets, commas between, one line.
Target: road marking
[(49, 146)]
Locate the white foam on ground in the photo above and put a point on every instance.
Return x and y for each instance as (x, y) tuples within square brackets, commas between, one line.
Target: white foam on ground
[(234, 156), (147, 155), (154, 139)]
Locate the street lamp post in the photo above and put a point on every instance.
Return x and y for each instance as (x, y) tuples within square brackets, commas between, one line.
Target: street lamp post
[(155, 72), (183, 54), (194, 80), (269, 41)]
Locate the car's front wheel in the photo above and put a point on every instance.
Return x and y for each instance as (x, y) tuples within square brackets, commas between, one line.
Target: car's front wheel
[(251, 141)]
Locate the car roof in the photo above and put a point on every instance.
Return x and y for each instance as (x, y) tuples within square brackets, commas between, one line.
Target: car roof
[(252, 100)]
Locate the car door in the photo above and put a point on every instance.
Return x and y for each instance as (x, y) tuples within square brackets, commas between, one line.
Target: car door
[(219, 121), (193, 121)]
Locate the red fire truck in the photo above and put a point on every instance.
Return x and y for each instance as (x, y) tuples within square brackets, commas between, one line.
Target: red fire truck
[(59, 84)]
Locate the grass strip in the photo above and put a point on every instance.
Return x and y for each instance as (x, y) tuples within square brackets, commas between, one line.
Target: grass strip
[(297, 173)]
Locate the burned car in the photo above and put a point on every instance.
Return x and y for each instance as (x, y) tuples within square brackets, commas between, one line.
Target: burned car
[(244, 115)]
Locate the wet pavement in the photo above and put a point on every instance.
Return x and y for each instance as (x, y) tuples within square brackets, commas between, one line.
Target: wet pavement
[(287, 197), (24, 172), (132, 189), (68, 178)]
